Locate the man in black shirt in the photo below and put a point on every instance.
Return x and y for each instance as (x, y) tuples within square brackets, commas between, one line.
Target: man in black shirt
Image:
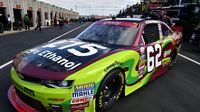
[(164, 18)]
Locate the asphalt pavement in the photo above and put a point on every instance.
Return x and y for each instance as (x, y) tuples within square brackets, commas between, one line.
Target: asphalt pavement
[(176, 91), (14, 43)]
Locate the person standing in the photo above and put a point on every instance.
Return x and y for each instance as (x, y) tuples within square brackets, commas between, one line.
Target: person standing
[(164, 18), (60, 22), (66, 22), (55, 21), (26, 22), (38, 24), (8, 23), (1, 25)]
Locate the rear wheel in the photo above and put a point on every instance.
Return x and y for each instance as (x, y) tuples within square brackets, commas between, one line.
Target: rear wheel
[(109, 90)]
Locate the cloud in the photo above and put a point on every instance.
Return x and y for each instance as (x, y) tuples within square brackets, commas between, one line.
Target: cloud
[(97, 7)]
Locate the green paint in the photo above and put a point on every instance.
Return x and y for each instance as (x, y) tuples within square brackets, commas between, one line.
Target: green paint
[(166, 41)]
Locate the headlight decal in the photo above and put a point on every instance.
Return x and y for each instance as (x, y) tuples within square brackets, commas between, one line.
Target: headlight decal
[(59, 84)]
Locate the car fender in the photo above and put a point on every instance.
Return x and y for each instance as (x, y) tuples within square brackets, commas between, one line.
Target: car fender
[(95, 72)]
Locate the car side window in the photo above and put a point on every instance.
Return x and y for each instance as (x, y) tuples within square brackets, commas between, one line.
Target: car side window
[(151, 33), (165, 31)]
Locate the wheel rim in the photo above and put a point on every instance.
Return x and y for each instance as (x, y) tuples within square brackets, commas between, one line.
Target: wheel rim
[(110, 91)]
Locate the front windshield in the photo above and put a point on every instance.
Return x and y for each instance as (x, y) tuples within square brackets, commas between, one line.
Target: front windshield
[(110, 32)]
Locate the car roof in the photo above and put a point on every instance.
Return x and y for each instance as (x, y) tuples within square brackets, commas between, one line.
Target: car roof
[(137, 20)]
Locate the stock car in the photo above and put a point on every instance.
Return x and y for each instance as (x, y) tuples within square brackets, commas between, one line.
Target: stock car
[(111, 58)]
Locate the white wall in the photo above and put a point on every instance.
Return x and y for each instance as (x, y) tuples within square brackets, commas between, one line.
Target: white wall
[(25, 5)]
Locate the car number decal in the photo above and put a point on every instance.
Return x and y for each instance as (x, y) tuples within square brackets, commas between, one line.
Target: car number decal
[(92, 48), (152, 61)]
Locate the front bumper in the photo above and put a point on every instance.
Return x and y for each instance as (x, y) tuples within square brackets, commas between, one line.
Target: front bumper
[(17, 102), (28, 96)]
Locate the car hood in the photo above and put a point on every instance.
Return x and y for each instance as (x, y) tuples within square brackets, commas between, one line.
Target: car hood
[(59, 59)]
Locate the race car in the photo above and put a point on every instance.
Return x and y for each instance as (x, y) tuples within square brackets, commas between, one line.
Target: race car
[(111, 58)]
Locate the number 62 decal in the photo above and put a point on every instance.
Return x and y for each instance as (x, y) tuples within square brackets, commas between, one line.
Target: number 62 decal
[(153, 61)]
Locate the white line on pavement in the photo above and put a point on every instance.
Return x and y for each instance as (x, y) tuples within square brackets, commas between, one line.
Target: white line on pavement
[(189, 59), (8, 63), (67, 33)]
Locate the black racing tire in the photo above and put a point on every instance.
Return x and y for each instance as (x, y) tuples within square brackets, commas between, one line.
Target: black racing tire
[(109, 90)]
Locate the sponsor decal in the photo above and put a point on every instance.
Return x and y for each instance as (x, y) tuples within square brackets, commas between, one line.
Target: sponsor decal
[(167, 53), (118, 23), (111, 66), (28, 91), (83, 87), (141, 68), (79, 106), (110, 22), (142, 65), (142, 62), (142, 49), (56, 99), (141, 74), (24, 89), (81, 100), (142, 57), (58, 59), (83, 93)]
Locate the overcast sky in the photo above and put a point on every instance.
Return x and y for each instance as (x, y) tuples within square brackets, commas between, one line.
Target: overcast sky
[(88, 7)]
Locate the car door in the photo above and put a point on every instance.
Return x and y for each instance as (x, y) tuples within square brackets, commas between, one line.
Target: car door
[(167, 43), (151, 52)]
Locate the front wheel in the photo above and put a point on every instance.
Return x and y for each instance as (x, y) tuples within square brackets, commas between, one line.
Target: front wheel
[(109, 90)]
